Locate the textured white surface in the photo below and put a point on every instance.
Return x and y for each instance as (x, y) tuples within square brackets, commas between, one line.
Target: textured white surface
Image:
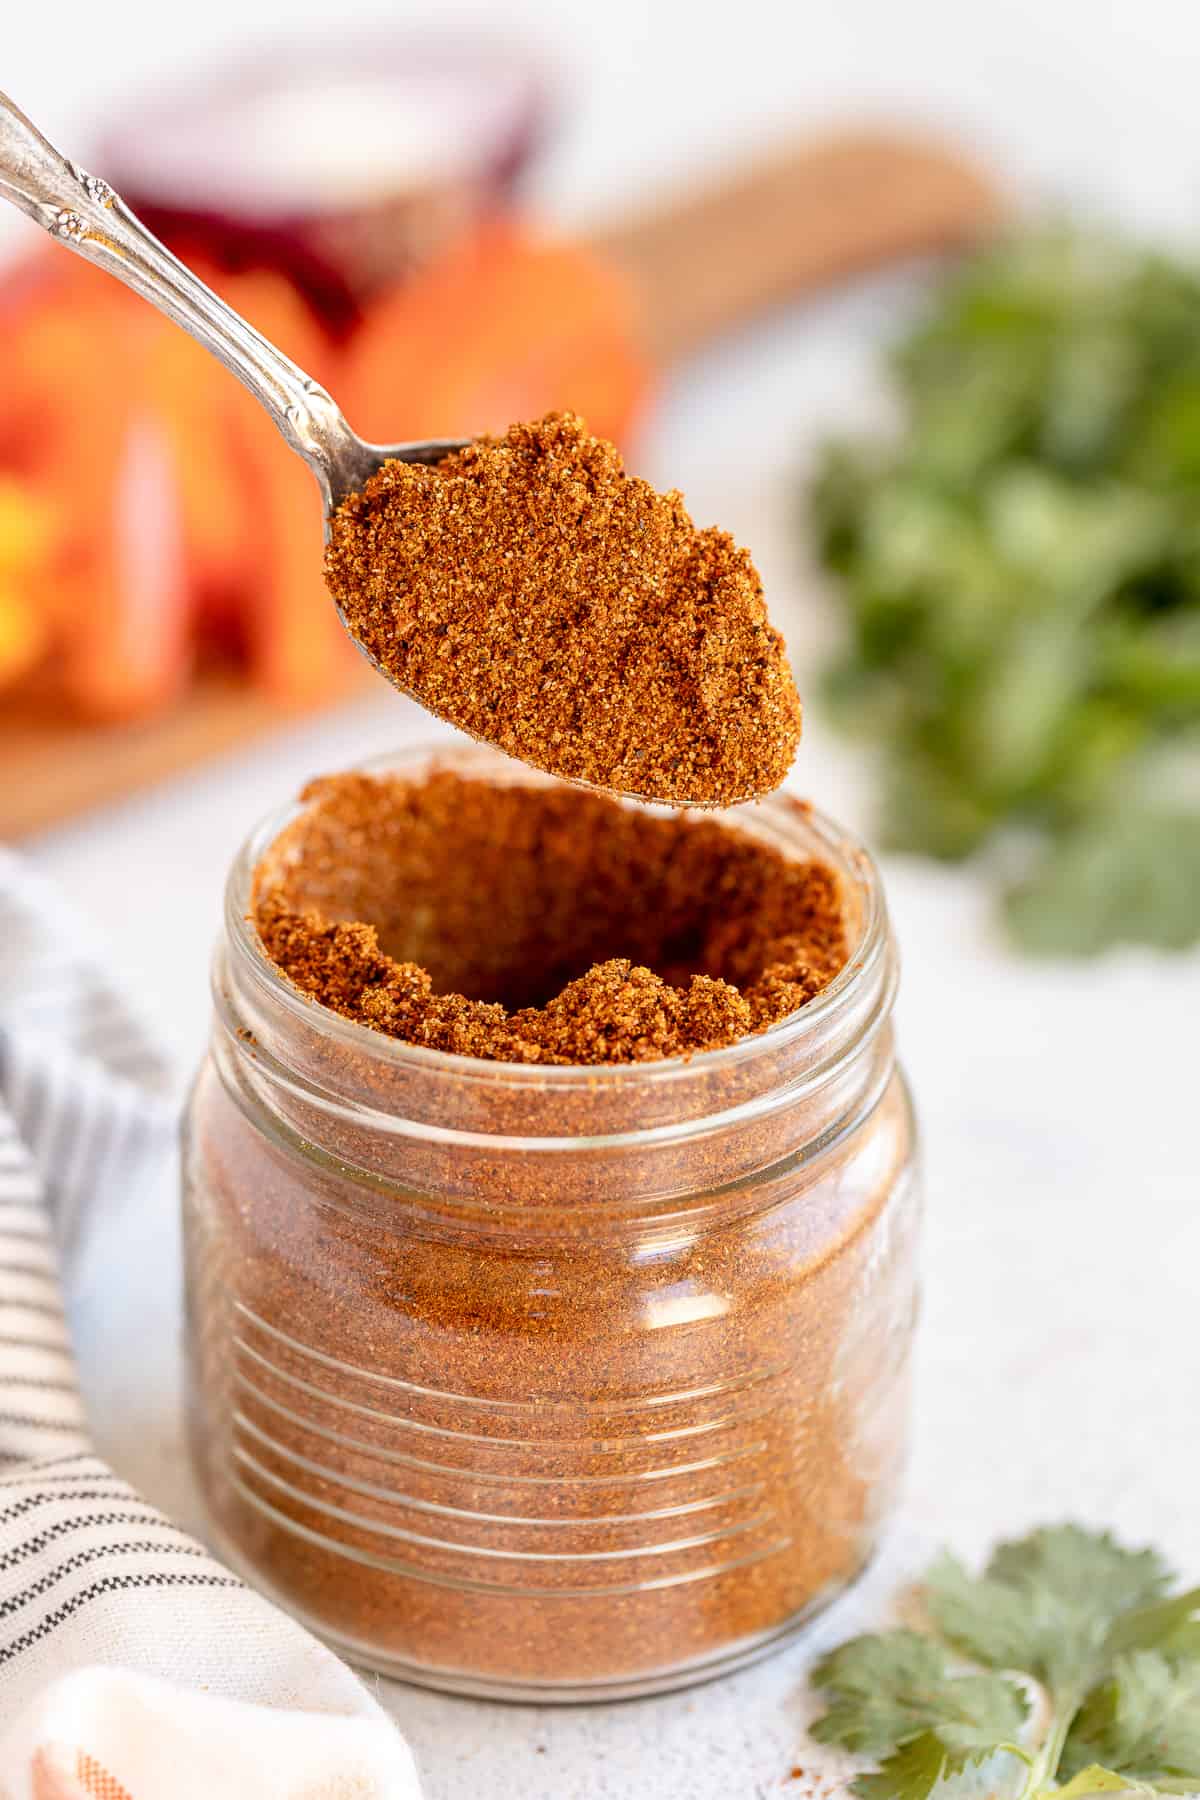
[(1059, 1365)]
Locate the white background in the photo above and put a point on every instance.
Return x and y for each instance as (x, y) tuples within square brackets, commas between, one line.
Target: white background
[(1059, 1361)]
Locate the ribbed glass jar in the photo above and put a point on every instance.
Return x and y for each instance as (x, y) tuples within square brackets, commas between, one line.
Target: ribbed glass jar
[(551, 1383)]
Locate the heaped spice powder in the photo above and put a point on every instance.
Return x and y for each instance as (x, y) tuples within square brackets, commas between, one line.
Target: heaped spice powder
[(535, 595), (538, 1379), (540, 924)]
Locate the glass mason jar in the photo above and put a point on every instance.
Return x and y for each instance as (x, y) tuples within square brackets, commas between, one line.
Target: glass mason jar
[(541, 1382)]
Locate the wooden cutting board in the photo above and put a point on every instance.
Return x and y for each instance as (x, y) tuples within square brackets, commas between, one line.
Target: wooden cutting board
[(703, 264)]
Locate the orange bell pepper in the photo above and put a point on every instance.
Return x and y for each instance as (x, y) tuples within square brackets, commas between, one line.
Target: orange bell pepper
[(26, 536), (75, 424), (183, 527), (503, 326), (290, 635)]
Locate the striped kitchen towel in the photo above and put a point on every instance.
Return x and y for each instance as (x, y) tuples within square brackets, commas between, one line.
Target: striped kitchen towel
[(132, 1665)]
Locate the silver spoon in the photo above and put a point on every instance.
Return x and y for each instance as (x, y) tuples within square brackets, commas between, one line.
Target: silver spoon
[(84, 213)]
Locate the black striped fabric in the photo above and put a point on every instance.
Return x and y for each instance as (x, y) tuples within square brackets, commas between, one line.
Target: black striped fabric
[(91, 1575), (83, 1108), (86, 1094)]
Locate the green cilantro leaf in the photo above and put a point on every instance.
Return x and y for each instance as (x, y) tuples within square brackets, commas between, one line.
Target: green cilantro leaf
[(1184, 1640), (1132, 877), (1018, 572), (1069, 1612), (1087, 1570), (1093, 1780), (887, 1690), (910, 1773), (1045, 1604), (1170, 1625), (1144, 1722)]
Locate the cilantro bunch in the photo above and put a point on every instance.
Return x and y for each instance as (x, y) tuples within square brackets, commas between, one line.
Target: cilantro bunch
[(1020, 573), (1067, 1668)]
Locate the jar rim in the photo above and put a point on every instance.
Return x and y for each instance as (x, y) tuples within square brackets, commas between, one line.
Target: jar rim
[(846, 852)]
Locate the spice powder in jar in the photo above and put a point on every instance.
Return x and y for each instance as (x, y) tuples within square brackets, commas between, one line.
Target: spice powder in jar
[(550, 1223)]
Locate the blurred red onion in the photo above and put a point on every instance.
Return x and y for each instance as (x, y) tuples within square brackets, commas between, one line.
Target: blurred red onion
[(340, 165)]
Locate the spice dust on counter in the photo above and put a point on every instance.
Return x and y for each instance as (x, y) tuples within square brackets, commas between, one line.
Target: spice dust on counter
[(540, 924), (532, 593)]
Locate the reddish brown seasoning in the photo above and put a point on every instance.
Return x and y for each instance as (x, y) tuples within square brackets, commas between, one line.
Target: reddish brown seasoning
[(535, 595), (548, 1381), (538, 924)]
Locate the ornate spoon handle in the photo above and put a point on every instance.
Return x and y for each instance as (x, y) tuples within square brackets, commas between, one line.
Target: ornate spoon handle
[(84, 213)]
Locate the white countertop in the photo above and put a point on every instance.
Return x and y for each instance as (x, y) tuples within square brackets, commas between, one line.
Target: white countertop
[(1058, 1365)]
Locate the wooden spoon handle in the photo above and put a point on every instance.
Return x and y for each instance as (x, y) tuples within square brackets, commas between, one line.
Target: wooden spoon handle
[(792, 224)]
